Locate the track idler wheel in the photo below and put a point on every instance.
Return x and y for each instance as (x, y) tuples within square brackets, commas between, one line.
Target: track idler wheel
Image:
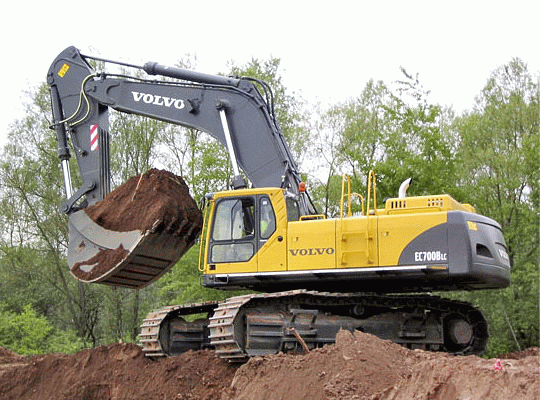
[(459, 334)]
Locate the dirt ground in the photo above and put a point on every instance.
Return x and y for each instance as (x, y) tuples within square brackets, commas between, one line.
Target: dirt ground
[(118, 371), (359, 366)]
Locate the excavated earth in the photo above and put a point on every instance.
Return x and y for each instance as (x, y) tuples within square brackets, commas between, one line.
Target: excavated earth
[(162, 195), (359, 366)]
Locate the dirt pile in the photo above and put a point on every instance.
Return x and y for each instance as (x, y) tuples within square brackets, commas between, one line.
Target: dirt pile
[(358, 367), (469, 378), (115, 372), (363, 367), (156, 201)]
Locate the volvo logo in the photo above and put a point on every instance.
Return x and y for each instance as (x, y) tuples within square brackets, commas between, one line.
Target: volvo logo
[(158, 100), (317, 251)]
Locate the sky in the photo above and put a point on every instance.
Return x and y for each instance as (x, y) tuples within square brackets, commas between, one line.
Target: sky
[(329, 50)]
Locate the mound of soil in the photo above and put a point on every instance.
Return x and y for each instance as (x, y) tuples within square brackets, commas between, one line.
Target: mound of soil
[(118, 371), (363, 367), (358, 367)]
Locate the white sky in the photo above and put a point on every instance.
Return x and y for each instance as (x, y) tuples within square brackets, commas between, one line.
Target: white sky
[(328, 49)]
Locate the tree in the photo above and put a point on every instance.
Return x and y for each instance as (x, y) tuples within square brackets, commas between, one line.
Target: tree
[(28, 333), (325, 161), (33, 242), (200, 159), (417, 143), (500, 174), (397, 134)]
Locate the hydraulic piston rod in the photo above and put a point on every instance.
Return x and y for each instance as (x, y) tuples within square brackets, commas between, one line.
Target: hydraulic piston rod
[(154, 68)]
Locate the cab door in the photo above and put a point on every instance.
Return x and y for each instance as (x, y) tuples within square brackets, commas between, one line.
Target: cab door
[(233, 240), (272, 231), (247, 234)]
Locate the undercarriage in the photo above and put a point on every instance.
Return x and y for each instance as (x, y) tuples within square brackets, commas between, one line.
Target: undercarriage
[(296, 321)]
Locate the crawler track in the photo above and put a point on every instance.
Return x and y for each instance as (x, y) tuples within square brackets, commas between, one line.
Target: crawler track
[(245, 326), (165, 332)]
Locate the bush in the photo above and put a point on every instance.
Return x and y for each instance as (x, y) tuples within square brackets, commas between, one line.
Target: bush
[(28, 333)]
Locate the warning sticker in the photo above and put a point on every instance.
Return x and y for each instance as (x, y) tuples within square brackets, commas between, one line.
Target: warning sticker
[(94, 137), (63, 70)]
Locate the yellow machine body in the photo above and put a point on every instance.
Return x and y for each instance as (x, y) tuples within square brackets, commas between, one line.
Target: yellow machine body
[(408, 245)]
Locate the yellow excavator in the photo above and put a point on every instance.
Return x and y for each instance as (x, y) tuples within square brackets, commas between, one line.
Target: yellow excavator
[(372, 270)]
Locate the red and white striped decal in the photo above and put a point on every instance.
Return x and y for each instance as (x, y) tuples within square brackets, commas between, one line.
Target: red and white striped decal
[(93, 137)]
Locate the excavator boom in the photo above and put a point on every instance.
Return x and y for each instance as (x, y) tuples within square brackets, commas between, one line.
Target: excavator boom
[(231, 110)]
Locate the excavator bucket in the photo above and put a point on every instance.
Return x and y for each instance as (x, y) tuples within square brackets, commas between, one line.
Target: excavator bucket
[(131, 259), (163, 223)]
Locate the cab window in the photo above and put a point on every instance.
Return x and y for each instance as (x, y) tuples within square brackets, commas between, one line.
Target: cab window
[(293, 211), (267, 220), (233, 230)]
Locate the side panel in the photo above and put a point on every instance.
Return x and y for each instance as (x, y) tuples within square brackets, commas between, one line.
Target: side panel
[(311, 244), (397, 231), (432, 247)]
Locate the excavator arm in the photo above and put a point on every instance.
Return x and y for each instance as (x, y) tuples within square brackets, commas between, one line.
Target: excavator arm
[(231, 110)]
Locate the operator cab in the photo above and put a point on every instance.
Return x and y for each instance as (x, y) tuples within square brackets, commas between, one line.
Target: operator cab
[(248, 230), (240, 226)]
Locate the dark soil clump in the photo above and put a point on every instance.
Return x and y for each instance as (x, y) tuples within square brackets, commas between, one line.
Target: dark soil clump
[(104, 261), (156, 199)]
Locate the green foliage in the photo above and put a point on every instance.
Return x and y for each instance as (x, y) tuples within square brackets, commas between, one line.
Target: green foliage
[(29, 333), (24, 271), (500, 175), (200, 159), (399, 136), (33, 242), (416, 146)]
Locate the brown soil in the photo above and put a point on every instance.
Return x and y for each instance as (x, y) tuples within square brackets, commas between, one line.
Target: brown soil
[(156, 201), (361, 367), (358, 367), (118, 371), (104, 260)]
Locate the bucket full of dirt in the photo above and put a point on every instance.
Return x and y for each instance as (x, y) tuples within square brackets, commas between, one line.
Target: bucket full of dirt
[(136, 233)]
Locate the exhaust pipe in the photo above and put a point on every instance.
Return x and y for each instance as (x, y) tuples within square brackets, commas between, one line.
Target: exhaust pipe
[(403, 188)]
